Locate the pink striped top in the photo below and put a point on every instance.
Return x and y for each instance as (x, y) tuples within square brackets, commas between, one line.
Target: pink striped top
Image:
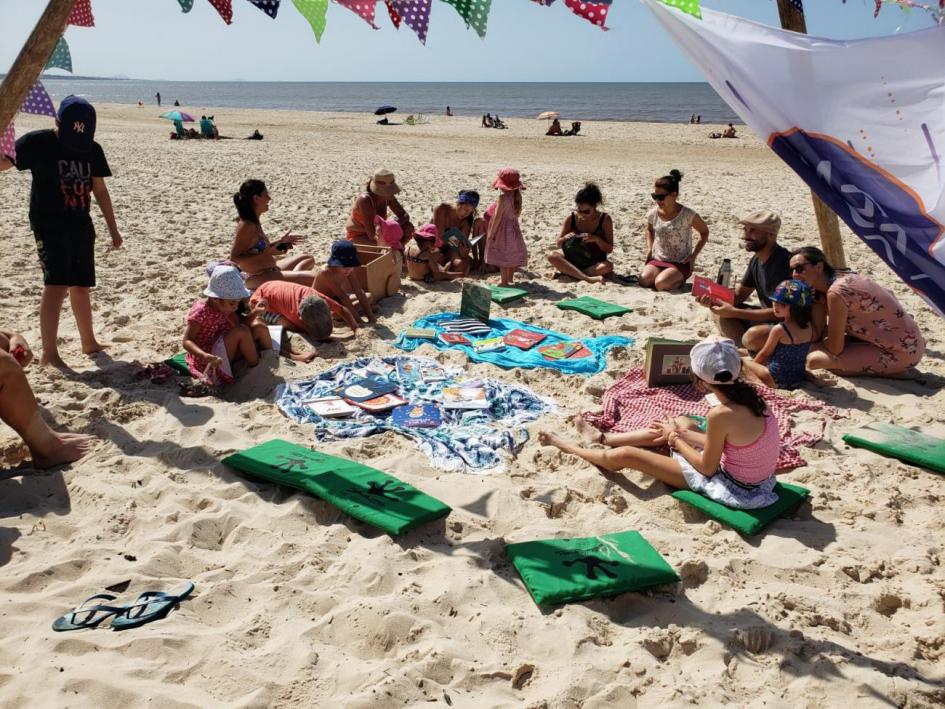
[(755, 462)]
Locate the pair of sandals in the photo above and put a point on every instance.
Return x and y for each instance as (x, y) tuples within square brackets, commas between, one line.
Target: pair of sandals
[(149, 606)]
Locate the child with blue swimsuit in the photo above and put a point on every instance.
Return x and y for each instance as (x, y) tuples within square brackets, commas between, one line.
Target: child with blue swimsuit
[(781, 363)]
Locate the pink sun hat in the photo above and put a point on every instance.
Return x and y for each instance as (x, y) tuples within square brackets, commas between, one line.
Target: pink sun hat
[(508, 180), (429, 231)]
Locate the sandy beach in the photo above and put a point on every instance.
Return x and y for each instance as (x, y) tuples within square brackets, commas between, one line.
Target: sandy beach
[(297, 604)]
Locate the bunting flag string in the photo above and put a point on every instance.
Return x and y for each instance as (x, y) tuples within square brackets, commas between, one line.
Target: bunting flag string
[(81, 15), (225, 8), (8, 143), (38, 102), (394, 17), (270, 7), (314, 11), (186, 5), (475, 12), (362, 8), (416, 15), (61, 58), (691, 7)]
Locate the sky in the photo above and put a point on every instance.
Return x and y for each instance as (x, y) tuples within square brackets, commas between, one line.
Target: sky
[(153, 39)]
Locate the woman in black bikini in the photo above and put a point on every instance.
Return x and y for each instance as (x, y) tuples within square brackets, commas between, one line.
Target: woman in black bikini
[(254, 254), (587, 237)]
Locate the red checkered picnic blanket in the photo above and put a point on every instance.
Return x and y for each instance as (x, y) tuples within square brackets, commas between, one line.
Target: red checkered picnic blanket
[(630, 404)]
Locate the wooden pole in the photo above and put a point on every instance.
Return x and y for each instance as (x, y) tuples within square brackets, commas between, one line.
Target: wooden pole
[(32, 58), (827, 223)]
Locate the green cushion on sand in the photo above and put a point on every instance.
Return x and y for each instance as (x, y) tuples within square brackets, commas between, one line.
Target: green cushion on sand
[(597, 309), (366, 494), (178, 363), (564, 570), (747, 522), (502, 294), (902, 443)]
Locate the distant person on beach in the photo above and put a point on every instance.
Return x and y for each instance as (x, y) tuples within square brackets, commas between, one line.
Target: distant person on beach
[(692, 118), (68, 169), (255, 136), (252, 251), (505, 245), (216, 336), (176, 102), (587, 237), (487, 121), (867, 331), (729, 132), (338, 281), (158, 97), (449, 111), (206, 128), (425, 259), (459, 225), (670, 255), (554, 128), (698, 119), (379, 195)]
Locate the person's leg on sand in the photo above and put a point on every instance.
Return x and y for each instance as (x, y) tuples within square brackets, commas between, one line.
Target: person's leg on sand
[(668, 279), (648, 275), (82, 312), (562, 265), (239, 343), (50, 309)]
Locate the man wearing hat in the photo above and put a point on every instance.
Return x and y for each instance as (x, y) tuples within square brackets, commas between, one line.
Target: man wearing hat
[(770, 264), (68, 168)]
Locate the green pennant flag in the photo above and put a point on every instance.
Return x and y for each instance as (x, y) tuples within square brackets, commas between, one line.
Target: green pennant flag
[(690, 7), (61, 58), (186, 5), (314, 11), (475, 12)]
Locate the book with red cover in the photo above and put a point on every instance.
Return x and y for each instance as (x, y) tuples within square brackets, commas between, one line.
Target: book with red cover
[(523, 339), (378, 404), (454, 338), (582, 351), (716, 291), (560, 350)]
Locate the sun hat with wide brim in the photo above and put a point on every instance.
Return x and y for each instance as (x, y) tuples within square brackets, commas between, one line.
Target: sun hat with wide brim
[(226, 283), (384, 184), (508, 180)]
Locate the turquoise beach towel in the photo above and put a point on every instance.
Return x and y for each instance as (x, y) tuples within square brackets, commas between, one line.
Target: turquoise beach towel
[(511, 357)]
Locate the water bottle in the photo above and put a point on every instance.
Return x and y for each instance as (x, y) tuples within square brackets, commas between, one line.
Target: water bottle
[(725, 273)]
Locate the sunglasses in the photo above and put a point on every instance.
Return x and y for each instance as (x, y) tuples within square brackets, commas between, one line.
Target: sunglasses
[(658, 196), (585, 212), (799, 268)]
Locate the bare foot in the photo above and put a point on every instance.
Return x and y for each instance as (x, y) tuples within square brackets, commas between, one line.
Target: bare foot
[(550, 439), (53, 360), (303, 356), (595, 279), (585, 430), (64, 448), (822, 380), (93, 348)]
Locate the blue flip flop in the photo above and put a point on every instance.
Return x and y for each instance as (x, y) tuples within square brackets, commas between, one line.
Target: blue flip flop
[(88, 616), (151, 605)]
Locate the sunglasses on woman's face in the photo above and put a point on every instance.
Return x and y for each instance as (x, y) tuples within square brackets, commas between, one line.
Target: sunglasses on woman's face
[(659, 197), (585, 212)]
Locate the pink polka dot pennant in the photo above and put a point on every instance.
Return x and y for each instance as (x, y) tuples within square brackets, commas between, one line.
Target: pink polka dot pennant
[(363, 8), (81, 14), (593, 12), (270, 7), (416, 15), (225, 8), (8, 143), (392, 13), (38, 102)]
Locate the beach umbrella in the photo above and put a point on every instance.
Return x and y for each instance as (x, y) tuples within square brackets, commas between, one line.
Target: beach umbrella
[(384, 109), (177, 116), (548, 115)]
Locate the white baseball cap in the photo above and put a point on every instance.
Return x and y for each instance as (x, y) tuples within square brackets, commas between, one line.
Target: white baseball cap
[(716, 360)]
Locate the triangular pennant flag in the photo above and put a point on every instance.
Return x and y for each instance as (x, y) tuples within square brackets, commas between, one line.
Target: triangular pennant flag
[(363, 8), (546, 3), (596, 11), (475, 12), (38, 102), (270, 7), (394, 17), (225, 8), (8, 143), (186, 5), (61, 58), (416, 15), (81, 14), (690, 7), (314, 11)]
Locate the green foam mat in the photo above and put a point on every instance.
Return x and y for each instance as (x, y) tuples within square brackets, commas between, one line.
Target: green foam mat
[(365, 493), (748, 522), (178, 363), (565, 570), (902, 443), (597, 309), (503, 294)]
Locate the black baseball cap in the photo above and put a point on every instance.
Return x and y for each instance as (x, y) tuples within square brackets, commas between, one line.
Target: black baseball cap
[(76, 119)]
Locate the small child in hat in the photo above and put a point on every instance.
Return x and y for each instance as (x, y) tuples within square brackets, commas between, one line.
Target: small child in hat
[(425, 260), (505, 245), (215, 337), (782, 362), (337, 280)]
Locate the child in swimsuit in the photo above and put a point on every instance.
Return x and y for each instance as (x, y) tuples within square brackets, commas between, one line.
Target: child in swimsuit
[(781, 363), (337, 281), (425, 260)]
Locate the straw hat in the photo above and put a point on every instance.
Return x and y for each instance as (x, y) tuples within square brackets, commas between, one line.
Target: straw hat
[(384, 184)]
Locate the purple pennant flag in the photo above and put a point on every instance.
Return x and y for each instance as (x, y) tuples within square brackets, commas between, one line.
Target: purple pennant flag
[(8, 143), (416, 15), (38, 102), (270, 7)]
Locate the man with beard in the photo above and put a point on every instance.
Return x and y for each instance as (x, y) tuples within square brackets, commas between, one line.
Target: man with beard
[(750, 324)]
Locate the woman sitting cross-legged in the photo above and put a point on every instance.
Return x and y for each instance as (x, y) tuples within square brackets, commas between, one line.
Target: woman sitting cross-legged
[(733, 462), (587, 237)]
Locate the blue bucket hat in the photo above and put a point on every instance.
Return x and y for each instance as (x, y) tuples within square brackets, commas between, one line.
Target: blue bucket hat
[(76, 119), (344, 253)]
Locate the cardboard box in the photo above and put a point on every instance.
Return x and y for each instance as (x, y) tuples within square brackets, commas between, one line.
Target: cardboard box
[(379, 273)]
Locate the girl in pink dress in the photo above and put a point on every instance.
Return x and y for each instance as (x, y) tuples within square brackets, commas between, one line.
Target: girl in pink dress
[(505, 245)]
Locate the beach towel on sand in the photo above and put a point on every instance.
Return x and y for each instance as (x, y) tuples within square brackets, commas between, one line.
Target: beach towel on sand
[(178, 363), (467, 440), (505, 294), (365, 493), (899, 442), (747, 522), (564, 570), (630, 404), (592, 307), (510, 357)]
